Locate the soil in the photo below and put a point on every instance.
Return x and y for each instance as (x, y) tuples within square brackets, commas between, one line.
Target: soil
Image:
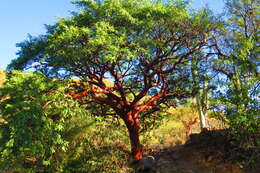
[(207, 152)]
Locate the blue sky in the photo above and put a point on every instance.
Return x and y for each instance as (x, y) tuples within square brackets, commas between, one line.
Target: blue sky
[(18, 18)]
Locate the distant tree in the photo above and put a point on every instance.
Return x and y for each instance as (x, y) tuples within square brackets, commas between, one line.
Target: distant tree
[(141, 47)]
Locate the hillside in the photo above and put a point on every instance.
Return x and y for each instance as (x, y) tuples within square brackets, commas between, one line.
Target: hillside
[(208, 152)]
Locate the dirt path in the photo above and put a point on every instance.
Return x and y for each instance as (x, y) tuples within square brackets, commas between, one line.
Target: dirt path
[(207, 152), (186, 160)]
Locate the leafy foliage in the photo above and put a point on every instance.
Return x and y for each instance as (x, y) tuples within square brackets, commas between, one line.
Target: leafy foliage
[(133, 58), (45, 130), (34, 110), (142, 47), (237, 64)]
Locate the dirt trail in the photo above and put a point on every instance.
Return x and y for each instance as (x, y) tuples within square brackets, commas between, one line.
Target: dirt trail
[(186, 160), (207, 152)]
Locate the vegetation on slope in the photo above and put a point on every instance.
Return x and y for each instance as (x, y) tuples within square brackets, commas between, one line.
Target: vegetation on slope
[(2, 77)]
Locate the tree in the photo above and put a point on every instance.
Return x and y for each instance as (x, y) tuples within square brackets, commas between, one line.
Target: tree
[(237, 65), (141, 47), (201, 72), (201, 95)]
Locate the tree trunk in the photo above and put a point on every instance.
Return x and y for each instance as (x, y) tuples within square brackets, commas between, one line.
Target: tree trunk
[(202, 115), (201, 95), (133, 125)]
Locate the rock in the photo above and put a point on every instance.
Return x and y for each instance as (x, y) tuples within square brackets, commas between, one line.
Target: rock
[(145, 165)]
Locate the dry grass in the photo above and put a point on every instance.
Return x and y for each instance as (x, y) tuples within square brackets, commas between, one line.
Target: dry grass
[(2, 77)]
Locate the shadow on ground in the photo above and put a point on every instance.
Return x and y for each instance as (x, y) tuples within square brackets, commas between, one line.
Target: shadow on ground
[(207, 152)]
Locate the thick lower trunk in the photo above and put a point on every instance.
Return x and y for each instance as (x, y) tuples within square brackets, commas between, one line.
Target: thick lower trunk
[(136, 148), (133, 126)]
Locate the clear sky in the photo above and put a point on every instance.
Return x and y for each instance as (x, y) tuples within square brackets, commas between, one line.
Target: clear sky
[(18, 18)]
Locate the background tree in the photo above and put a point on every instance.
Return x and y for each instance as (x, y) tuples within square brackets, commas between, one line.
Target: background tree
[(237, 65), (201, 73), (201, 91), (141, 47)]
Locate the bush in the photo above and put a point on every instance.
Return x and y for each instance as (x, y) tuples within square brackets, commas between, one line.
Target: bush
[(34, 110)]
